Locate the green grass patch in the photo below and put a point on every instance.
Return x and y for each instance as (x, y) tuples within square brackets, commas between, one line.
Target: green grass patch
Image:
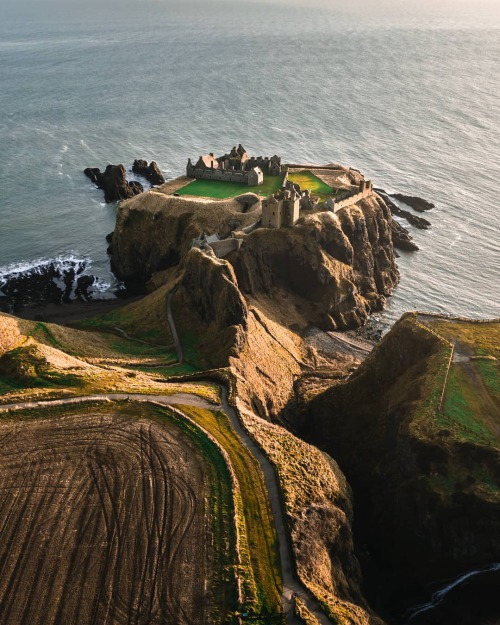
[(261, 577), (307, 180), (220, 190), (482, 339), (145, 319), (168, 372), (490, 375), (463, 407), (133, 348)]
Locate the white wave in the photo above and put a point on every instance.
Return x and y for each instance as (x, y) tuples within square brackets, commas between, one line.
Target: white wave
[(39, 264), (439, 596)]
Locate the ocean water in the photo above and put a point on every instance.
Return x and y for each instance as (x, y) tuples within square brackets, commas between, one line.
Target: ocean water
[(406, 91)]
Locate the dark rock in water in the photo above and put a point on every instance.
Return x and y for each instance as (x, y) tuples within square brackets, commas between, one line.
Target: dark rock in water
[(109, 239), (94, 174), (401, 238), (83, 285), (415, 202), (151, 172), (414, 220), (52, 282), (136, 187), (114, 183)]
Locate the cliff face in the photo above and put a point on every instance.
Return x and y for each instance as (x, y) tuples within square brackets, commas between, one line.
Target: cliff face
[(318, 504), (328, 270), (211, 313), (426, 502), (154, 231)]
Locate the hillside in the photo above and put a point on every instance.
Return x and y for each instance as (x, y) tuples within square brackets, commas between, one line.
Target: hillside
[(420, 446)]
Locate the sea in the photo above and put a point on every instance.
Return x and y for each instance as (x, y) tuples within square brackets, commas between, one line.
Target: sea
[(407, 91)]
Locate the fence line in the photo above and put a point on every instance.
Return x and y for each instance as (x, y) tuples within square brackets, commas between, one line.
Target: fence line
[(440, 409)]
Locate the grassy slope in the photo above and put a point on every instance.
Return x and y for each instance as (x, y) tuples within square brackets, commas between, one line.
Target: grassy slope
[(261, 573), (318, 508), (44, 360), (307, 180), (145, 319), (472, 395), (421, 477)]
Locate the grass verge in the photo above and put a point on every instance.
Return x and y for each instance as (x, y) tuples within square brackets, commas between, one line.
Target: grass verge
[(259, 553)]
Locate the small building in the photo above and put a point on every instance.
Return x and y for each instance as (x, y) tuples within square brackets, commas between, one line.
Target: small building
[(255, 176)]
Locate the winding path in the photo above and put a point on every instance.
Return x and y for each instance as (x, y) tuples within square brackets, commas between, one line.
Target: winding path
[(291, 585)]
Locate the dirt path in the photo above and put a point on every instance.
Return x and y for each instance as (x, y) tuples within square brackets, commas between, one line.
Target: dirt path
[(186, 399), (291, 585)]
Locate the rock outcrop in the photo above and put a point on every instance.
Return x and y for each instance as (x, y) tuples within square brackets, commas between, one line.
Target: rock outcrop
[(155, 231), (151, 172), (211, 309), (329, 270), (401, 238), (414, 220), (423, 511), (113, 181), (417, 203)]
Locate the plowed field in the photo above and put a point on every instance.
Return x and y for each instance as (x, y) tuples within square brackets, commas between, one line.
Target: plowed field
[(103, 520)]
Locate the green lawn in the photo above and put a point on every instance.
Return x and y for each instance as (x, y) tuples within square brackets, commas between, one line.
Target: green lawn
[(220, 190), (465, 407), (307, 180)]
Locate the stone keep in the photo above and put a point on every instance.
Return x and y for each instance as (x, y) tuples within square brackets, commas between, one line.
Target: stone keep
[(271, 212)]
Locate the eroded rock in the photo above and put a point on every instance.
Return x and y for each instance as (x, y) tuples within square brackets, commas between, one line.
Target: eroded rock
[(113, 181), (151, 172)]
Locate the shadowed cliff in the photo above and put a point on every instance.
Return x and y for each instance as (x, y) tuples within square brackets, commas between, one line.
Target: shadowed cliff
[(426, 489)]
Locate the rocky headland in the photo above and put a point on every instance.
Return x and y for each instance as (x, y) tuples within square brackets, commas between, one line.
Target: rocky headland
[(414, 496)]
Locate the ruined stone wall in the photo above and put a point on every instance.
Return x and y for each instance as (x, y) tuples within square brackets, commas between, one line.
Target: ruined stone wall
[(217, 174), (353, 198), (225, 247)]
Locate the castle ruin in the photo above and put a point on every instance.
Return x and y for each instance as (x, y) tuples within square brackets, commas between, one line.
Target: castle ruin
[(235, 167), (282, 208)]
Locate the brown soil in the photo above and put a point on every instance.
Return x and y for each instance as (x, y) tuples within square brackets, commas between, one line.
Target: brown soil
[(103, 521)]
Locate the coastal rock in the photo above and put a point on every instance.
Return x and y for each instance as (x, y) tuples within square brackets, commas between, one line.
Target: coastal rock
[(417, 203), (401, 238), (151, 172), (414, 220), (155, 231), (334, 270), (48, 283), (113, 182), (211, 307), (330, 271)]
